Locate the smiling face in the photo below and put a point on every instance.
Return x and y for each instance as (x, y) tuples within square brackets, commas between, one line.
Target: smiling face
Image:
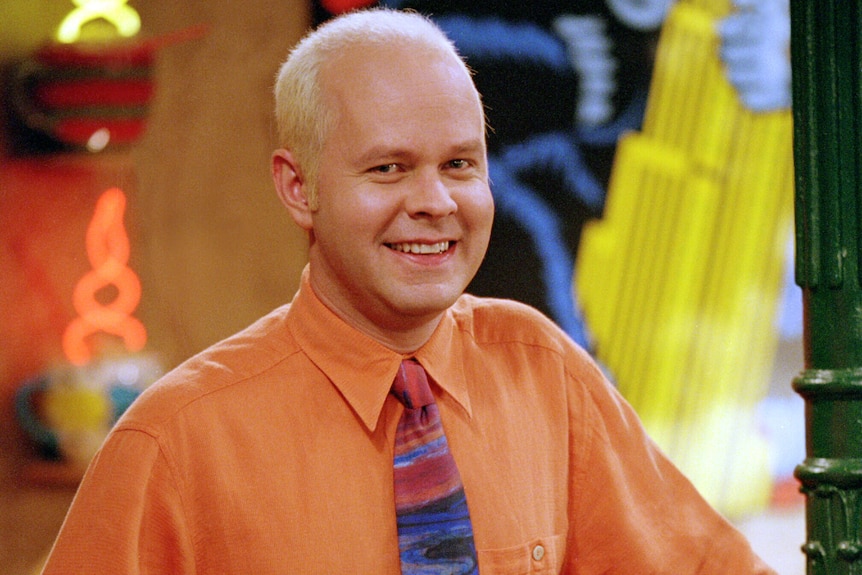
[(404, 208)]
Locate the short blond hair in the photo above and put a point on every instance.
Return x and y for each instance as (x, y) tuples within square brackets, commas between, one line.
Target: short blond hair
[(302, 118)]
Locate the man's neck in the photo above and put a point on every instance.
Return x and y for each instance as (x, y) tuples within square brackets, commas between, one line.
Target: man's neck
[(404, 337)]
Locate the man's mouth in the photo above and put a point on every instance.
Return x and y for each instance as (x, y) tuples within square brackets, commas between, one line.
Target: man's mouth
[(414, 248)]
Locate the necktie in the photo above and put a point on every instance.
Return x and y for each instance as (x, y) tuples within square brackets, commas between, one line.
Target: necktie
[(435, 535)]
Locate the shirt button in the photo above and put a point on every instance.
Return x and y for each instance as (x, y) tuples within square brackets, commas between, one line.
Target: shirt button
[(538, 552)]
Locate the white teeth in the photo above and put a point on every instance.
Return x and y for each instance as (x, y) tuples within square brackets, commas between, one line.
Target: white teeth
[(437, 248)]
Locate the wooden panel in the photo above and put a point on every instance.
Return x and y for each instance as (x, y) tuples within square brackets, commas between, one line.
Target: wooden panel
[(217, 249)]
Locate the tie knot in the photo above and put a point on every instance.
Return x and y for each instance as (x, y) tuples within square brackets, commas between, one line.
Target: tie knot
[(411, 385)]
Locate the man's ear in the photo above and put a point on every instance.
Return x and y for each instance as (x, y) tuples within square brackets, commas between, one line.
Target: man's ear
[(290, 187)]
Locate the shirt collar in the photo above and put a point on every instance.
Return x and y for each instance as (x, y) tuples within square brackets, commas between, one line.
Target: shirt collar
[(361, 368)]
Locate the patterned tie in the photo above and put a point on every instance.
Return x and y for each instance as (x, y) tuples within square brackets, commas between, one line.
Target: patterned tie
[(434, 531)]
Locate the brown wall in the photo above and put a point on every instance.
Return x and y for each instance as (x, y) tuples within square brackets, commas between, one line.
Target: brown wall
[(216, 248), (210, 242)]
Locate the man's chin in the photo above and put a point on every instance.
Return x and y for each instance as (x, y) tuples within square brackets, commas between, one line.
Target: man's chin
[(426, 304)]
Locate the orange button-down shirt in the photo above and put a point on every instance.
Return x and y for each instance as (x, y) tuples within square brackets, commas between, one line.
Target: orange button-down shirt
[(271, 452)]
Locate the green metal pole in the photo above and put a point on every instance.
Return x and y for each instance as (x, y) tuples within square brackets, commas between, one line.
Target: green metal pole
[(826, 54)]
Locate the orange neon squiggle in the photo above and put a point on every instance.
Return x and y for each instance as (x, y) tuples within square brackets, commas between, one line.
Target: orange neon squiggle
[(108, 251)]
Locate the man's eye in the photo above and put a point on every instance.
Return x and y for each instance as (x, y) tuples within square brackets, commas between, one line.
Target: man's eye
[(386, 169), (459, 164)]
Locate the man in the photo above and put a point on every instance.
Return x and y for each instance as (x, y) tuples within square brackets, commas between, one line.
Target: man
[(272, 452)]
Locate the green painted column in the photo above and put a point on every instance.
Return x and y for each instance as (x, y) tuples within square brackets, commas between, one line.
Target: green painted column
[(826, 53)]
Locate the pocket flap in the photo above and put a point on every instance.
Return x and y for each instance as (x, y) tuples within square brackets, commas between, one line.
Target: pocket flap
[(541, 555)]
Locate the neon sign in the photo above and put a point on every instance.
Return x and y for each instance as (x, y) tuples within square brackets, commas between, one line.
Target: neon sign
[(108, 252), (123, 17)]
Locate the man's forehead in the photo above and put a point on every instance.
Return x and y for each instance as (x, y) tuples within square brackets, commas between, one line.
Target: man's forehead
[(380, 87)]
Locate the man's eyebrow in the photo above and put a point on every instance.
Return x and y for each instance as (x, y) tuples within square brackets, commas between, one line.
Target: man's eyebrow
[(385, 153), (470, 146), (381, 153)]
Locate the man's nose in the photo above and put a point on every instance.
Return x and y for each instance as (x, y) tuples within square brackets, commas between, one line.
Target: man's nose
[(430, 195)]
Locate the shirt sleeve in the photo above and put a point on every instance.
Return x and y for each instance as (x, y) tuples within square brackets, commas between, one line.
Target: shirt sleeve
[(632, 510), (127, 517)]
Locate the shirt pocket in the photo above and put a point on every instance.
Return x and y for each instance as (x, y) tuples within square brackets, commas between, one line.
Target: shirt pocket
[(541, 555)]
